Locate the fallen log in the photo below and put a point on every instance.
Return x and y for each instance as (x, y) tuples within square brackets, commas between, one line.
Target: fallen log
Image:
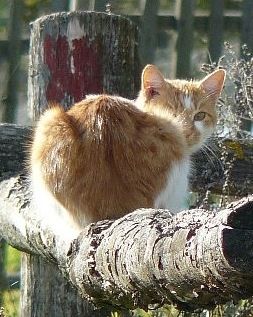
[(193, 259)]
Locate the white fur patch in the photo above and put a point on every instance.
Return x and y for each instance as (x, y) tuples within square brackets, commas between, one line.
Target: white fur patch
[(200, 126), (174, 194), (187, 101), (50, 212), (204, 130)]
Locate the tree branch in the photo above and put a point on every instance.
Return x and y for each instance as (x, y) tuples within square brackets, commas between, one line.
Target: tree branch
[(193, 259)]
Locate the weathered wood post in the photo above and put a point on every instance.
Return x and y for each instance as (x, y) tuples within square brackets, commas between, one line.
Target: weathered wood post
[(72, 55), (247, 25), (2, 269), (215, 41), (184, 45), (14, 49), (148, 40)]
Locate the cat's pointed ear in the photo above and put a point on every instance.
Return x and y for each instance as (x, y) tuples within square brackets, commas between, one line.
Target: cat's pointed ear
[(152, 80), (214, 82)]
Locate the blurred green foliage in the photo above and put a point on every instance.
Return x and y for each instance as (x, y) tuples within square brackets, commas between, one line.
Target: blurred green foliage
[(228, 4), (32, 10), (12, 260), (11, 296), (33, 7), (168, 4), (11, 303)]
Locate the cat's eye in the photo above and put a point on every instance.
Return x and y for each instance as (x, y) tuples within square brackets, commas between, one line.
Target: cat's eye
[(199, 116)]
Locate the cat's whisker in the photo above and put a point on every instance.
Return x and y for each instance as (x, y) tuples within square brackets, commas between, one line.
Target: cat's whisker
[(218, 158), (213, 157), (212, 145), (207, 155)]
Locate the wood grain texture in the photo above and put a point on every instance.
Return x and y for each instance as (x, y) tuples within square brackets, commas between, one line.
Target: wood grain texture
[(77, 53)]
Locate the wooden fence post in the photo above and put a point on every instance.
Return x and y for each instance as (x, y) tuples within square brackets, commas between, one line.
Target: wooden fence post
[(148, 40), (100, 5), (2, 269), (75, 5), (59, 5), (14, 54), (77, 53), (216, 30), (71, 55), (247, 25), (184, 44)]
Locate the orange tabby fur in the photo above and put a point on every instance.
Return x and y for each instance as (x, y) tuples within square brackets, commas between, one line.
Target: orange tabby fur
[(108, 156)]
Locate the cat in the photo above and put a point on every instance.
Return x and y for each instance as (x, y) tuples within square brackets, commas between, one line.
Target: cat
[(107, 156)]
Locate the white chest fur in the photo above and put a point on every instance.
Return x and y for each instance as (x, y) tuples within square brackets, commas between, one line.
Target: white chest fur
[(174, 193)]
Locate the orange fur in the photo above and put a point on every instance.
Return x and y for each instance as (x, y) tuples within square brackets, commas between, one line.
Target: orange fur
[(107, 156)]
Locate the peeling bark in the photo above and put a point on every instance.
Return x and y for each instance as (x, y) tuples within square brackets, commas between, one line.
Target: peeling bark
[(193, 259)]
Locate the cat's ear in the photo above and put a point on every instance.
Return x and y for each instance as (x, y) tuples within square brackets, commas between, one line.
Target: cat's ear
[(213, 83), (152, 80)]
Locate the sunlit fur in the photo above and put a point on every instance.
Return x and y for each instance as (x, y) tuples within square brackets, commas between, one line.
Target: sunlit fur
[(108, 156)]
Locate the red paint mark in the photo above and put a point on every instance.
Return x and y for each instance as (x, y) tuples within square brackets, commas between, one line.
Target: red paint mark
[(84, 58)]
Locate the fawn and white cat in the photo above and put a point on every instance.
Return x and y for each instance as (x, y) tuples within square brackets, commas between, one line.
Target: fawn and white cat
[(107, 156)]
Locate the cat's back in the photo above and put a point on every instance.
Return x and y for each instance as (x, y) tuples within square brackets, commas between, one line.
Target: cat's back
[(104, 115), (115, 131), (96, 122), (104, 157)]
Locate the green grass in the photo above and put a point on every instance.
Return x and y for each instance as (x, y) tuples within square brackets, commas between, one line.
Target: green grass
[(13, 259), (11, 296), (11, 303)]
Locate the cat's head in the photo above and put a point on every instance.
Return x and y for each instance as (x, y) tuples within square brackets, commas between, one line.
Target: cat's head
[(191, 104)]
